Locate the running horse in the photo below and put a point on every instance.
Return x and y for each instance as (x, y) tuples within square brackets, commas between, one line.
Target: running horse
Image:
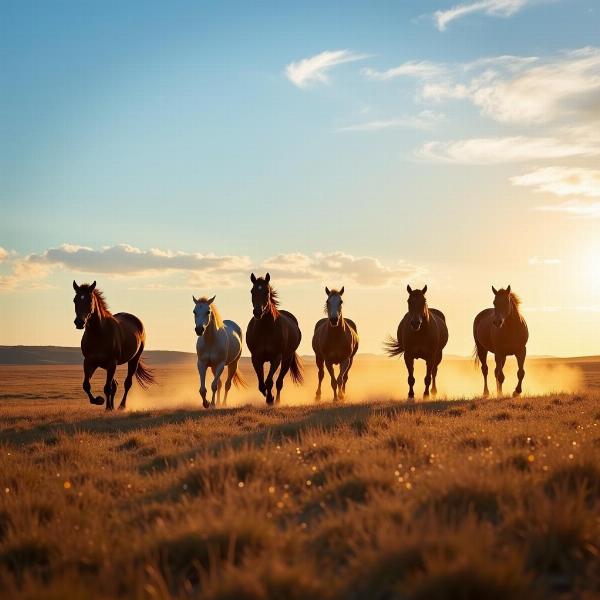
[(422, 333), (109, 340), (335, 342), (219, 345), (503, 331), (272, 336)]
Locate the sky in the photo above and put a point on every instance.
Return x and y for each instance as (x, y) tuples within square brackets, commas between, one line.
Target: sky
[(170, 149)]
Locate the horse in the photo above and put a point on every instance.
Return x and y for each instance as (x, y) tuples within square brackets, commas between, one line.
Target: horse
[(272, 336), (422, 333), (109, 340), (219, 345), (503, 331), (335, 342)]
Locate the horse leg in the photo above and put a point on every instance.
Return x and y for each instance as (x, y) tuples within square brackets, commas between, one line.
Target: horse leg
[(434, 371), (131, 369), (428, 377), (269, 380), (344, 366), (110, 385), (500, 360), (520, 372), (216, 384), (259, 368), (410, 365), (88, 371), (482, 355), (351, 360), (231, 371), (321, 373), (202, 366), (285, 367), (329, 366)]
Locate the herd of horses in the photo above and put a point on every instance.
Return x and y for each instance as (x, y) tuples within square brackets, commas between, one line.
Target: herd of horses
[(273, 336)]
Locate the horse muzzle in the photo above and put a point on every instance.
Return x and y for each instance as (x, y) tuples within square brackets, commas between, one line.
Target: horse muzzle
[(415, 325), (334, 322), (200, 331), (258, 313), (498, 323), (79, 323)]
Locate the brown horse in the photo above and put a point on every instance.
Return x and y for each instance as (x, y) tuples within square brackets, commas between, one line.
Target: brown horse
[(272, 336), (335, 342), (503, 331), (108, 340), (422, 333)]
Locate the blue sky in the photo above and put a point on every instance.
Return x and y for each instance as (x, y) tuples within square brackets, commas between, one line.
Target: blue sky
[(173, 127)]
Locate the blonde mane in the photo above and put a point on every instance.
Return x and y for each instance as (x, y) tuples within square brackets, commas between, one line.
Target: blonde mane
[(216, 315)]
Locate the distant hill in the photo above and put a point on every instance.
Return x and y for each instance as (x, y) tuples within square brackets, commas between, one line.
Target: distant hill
[(66, 355)]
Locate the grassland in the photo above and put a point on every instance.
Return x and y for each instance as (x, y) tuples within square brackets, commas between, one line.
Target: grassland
[(465, 499)]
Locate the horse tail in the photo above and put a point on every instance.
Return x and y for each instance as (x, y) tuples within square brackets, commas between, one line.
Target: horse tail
[(238, 380), (144, 375), (392, 347), (296, 370), (476, 356)]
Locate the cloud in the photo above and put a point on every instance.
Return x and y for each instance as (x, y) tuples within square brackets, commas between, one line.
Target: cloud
[(3, 254), (315, 68), (339, 267), (574, 208), (497, 150), (494, 8), (424, 120), (562, 181), (527, 90), (198, 270), (420, 69), (537, 261)]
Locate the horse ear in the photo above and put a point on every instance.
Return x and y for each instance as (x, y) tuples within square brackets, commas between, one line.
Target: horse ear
[(267, 278), (75, 286), (424, 289), (209, 302), (93, 286), (495, 291), (252, 277), (342, 291), (327, 290), (194, 299), (409, 289), (508, 288)]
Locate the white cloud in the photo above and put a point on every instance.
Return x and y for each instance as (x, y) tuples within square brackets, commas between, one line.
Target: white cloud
[(497, 150), (494, 8), (537, 261), (3, 254), (562, 181), (574, 208), (420, 69), (315, 68), (424, 120), (198, 270)]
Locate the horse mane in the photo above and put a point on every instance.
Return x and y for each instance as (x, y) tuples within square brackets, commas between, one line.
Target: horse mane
[(101, 303), (516, 302), (216, 315), (273, 302)]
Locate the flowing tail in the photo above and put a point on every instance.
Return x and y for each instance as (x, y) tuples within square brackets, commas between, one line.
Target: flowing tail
[(476, 356), (392, 347), (296, 370), (239, 381), (144, 375)]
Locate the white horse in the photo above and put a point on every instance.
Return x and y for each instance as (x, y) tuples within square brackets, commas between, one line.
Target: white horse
[(219, 345)]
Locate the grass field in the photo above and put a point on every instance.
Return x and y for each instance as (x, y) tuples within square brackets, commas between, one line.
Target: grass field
[(449, 499)]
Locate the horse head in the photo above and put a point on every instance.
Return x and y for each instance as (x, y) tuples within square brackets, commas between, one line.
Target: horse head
[(262, 295), (502, 306), (417, 307), (202, 314), (333, 306), (85, 305)]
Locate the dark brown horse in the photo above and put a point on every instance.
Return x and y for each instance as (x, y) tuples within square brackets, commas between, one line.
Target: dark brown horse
[(272, 336), (503, 331), (108, 340), (335, 342), (422, 333)]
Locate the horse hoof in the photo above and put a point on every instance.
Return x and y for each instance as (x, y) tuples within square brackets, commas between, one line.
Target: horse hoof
[(98, 401), (205, 404), (122, 407), (516, 394)]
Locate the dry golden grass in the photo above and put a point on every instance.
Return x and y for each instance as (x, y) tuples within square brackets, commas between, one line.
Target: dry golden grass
[(467, 499)]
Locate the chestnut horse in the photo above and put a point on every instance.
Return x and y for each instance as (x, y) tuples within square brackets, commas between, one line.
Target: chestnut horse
[(272, 336), (108, 340), (422, 333), (335, 342), (503, 331)]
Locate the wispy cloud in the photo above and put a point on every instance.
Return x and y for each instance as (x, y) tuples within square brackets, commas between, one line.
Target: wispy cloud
[(315, 69), (426, 119), (537, 261), (198, 270), (574, 208), (494, 8), (420, 69), (562, 181), (497, 150)]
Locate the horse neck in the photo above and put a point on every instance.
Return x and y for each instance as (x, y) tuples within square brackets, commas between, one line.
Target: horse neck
[(99, 314), (515, 316), (211, 330)]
